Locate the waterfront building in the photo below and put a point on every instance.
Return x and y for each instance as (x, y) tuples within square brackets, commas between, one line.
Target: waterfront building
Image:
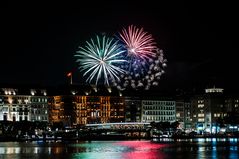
[(80, 107), (81, 110), (207, 108), (158, 110), (39, 105), (187, 116), (180, 113), (73, 106), (132, 109), (183, 114), (23, 104), (232, 103), (98, 109), (183, 110), (61, 109), (231, 117)]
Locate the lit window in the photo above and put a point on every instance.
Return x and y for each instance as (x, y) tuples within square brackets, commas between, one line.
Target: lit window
[(200, 115), (178, 115), (200, 105), (201, 120)]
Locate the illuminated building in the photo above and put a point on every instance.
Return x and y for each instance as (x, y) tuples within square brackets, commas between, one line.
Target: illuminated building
[(39, 106), (19, 104), (187, 116), (180, 113), (183, 111), (80, 110), (158, 111), (60, 109), (207, 109)]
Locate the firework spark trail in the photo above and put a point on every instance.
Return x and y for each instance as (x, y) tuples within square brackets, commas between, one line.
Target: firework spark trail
[(101, 59), (146, 60), (134, 60), (139, 44)]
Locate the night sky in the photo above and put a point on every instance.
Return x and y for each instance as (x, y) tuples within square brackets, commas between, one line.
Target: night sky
[(200, 40)]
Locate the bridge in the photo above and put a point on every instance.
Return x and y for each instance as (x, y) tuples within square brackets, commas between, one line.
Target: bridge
[(126, 129), (121, 125)]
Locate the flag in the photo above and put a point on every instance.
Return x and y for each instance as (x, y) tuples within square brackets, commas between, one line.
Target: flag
[(69, 74)]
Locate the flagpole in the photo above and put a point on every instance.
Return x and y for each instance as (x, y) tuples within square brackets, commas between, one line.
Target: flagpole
[(69, 75), (71, 78)]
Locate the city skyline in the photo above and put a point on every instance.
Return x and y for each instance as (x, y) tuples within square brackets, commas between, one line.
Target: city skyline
[(39, 40)]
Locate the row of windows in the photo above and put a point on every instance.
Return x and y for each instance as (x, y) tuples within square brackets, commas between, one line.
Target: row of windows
[(179, 109), (158, 107), (39, 118), (156, 118), (14, 109), (158, 113), (158, 102), (200, 105), (217, 115), (24, 99), (201, 120), (25, 106), (21, 117), (201, 115), (39, 111), (33, 111), (39, 106), (21, 106), (39, 100), (200, 101), (23, 113), (236, 101)]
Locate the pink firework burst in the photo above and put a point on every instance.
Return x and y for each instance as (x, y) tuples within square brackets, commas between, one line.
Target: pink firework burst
[(139, 43), (145, 60)]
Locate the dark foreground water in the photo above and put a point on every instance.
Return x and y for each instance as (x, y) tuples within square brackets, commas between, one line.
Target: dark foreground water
[(185, 149)]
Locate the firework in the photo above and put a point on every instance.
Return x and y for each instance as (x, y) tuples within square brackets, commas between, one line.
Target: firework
[(101, 60), (134, 60), (139, 44), (146, 60), (149, 76)]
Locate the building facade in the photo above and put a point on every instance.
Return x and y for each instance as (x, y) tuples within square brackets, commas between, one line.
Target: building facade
[(28, 106), (132, 109), (187, 116), (80, 110), (207, 109), (158, 111), (205, 113)]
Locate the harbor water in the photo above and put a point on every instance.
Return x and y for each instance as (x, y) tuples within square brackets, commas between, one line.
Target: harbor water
[(224, 148)]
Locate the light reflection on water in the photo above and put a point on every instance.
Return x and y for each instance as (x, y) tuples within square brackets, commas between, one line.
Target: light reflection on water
[(119, 150), (190, 148)]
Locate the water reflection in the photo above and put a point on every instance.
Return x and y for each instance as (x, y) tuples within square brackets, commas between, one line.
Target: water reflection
[(119, 149), (203, 148), (193, 148), (22, 150)]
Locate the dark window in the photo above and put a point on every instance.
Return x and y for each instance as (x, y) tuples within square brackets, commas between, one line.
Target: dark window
[(5, 116)]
